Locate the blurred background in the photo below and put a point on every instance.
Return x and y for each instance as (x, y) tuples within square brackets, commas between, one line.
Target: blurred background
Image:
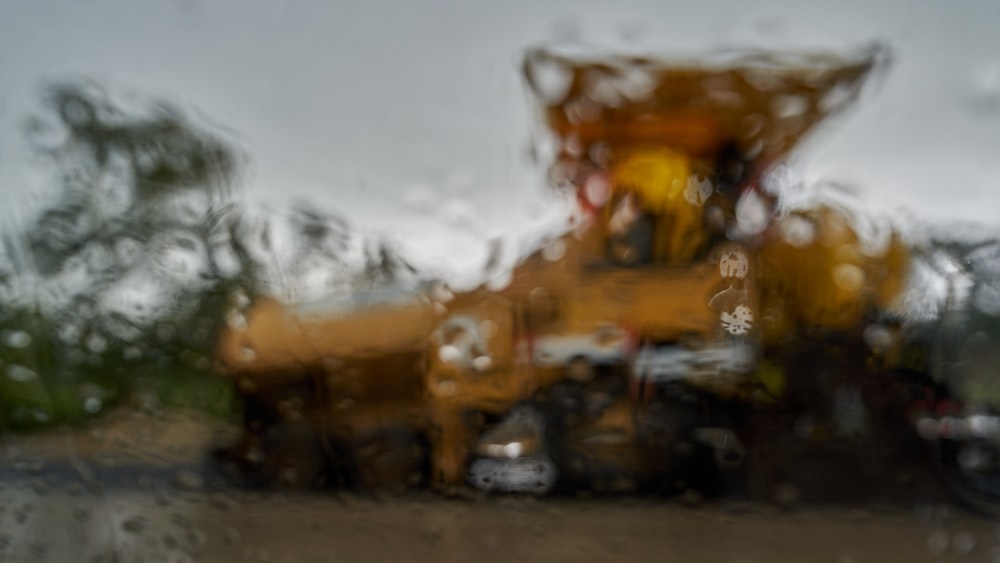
[(157, 158), (411, 118)]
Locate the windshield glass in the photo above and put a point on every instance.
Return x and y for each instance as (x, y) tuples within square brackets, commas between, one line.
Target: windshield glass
[(293, 281)]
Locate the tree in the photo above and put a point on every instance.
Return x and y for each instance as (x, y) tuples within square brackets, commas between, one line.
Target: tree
[(141, 254), (130, 263)]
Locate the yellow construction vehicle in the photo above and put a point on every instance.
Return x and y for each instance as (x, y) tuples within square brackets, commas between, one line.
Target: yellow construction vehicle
[(640, 329)]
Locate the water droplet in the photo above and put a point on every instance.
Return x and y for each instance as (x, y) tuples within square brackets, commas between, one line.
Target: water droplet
[(937, 542), (449, 353), (554, 251), (986, 298), (754, 150), (787, 107), (580, 110), (763, 79), (17, 339), (877, 337), (752, 125), (232, 536), (963, 543), (75, 488), (92, 404), (482, 363), (500, 281), (189, 479), (446, 388), (836, 98), (197, 538), (635, 83), (236, 321), (797, 231), (39, 487), (97, 343), (69, 333), (127, 251), (488, 329), (20, 373), (549, 79), (986, 88), (726, 98), (752, 214), (849, 277), (248, 354), (98, 258), (169, 541), (135, 524), (132, 353), (597, 189), (605, 93)]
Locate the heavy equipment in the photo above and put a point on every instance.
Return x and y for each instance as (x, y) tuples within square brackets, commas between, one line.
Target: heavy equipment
[(623, 355)]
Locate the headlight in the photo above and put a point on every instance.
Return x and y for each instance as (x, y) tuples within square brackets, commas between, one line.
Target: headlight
[(517, 436)]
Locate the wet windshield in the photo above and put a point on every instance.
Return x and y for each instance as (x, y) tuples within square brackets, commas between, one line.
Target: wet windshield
[(292, 282)]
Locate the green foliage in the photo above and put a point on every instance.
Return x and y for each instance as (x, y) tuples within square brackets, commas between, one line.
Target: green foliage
[(142, 207), (960, 346), (131, 191)]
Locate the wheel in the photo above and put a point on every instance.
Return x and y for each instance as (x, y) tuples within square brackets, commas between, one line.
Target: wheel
[(273, 455), (971, 469), (238, 464), (394, 459), (691, 442), (293, 456)]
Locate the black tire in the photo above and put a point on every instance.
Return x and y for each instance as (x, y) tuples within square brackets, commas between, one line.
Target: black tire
[(394, 460), (294, 457), (979, 491)]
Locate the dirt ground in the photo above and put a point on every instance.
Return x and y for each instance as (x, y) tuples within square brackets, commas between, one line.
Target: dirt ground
[(133, 488), (166, 524)]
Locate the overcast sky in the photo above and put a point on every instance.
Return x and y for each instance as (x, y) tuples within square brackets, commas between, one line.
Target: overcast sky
[(409, 117)]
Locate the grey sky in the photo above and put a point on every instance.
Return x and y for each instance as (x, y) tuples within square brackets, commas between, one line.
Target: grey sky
[(410, 117)]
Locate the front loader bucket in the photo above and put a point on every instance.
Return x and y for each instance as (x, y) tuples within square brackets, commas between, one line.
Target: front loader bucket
[(760, 105)]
